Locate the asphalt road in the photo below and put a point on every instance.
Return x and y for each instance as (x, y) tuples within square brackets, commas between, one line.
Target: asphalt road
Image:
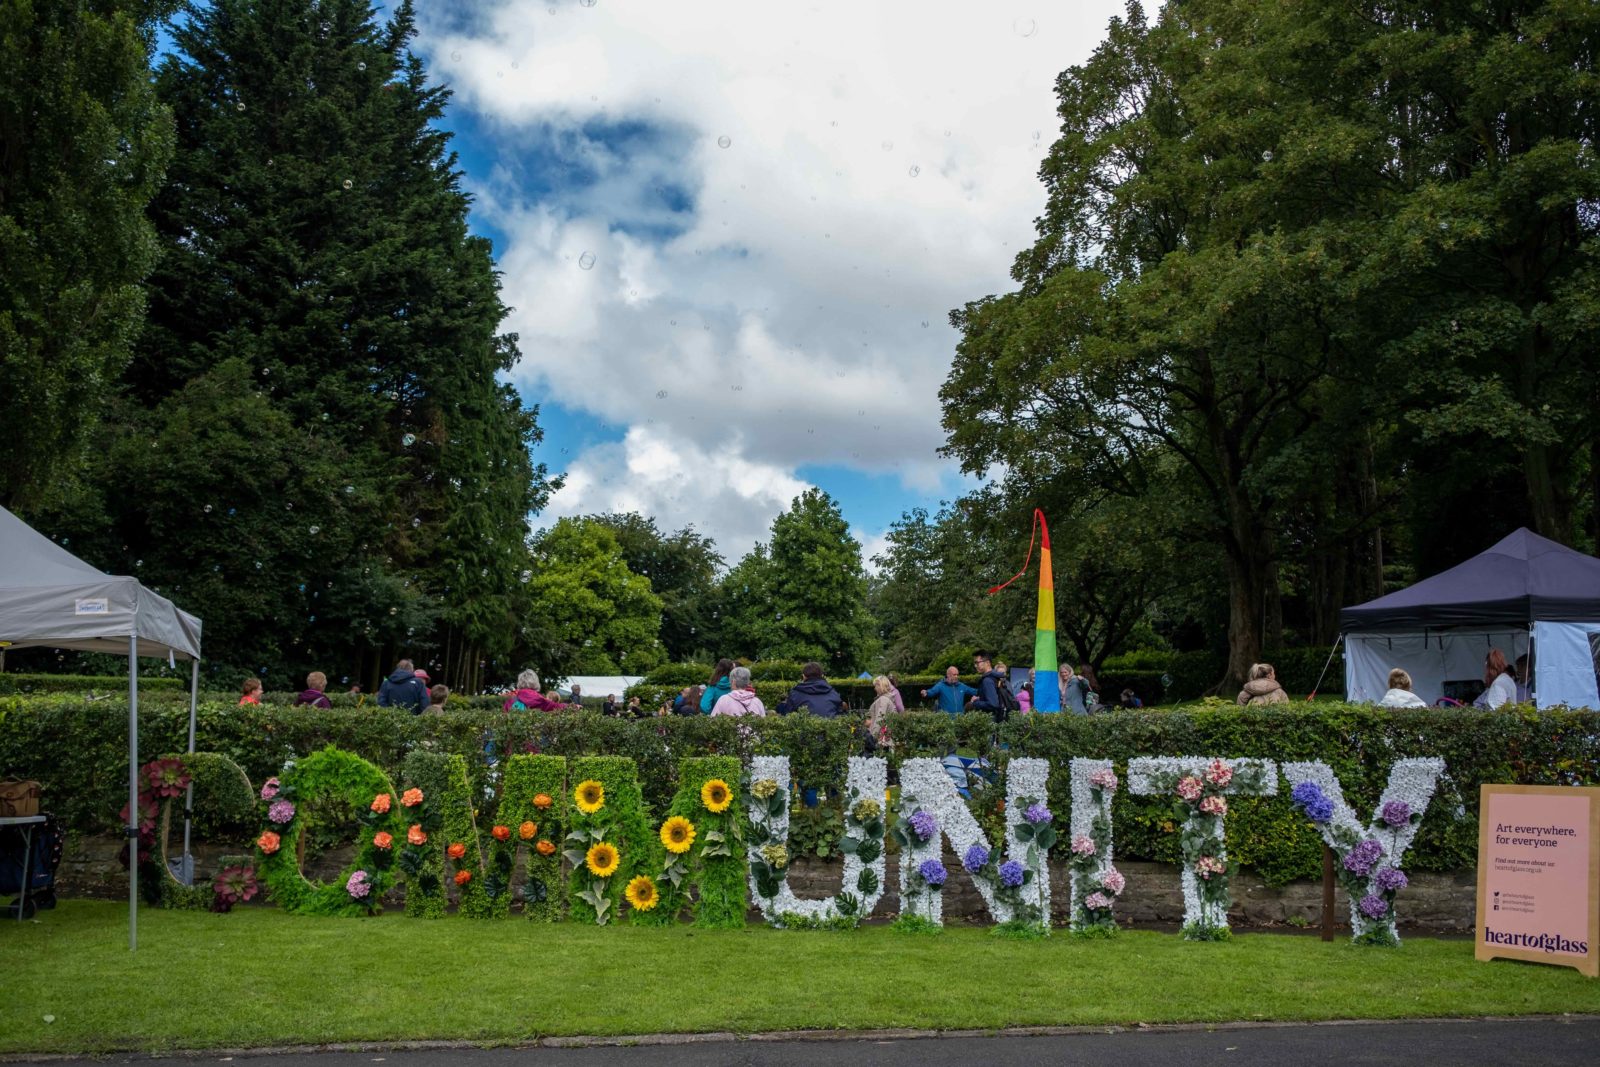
[(1522, 1042)]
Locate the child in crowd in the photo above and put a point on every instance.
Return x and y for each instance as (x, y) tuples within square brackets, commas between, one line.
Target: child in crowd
[(250, 692)]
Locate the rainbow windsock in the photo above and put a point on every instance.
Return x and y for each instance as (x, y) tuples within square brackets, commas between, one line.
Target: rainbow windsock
[(1046, 683)]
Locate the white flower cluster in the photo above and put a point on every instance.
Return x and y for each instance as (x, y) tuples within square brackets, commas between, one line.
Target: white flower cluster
[(1148, 775), (1027, 777), (1090, 805), (1412, 782), (868, 776)]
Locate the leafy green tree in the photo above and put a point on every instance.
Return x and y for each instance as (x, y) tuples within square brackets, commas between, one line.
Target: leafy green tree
[(682, 568), (83, 146), (803, 596), (590, 614)]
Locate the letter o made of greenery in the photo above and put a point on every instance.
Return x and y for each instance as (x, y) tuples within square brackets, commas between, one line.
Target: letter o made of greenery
[(220, 783), (331, 773)]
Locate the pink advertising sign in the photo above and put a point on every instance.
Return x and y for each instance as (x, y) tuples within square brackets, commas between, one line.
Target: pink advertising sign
[(1539, 875)]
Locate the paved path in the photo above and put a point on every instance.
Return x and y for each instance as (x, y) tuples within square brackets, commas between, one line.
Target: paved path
[(1554, 1042)]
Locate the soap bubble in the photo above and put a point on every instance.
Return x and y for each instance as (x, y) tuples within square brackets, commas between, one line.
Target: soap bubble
[(394, 611), (348, 184), (724, 141), (586, 261), (456, 56), (361, 66), (239, 106), (1266, 157), (315, 530), (258, 564), (914, 171), (661, 394), (409, 439), (924, 324), (586, 3), (207, 509), (888, 146), (1025, 27), (415, 523), (527, 576), (349, 489)]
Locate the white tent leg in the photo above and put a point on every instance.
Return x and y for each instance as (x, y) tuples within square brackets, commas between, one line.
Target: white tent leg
[(133, 793), (186, 875)]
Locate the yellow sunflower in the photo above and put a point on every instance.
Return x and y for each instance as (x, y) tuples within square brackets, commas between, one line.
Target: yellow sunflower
[(590, 795), (602, 860), (642, 894), (716, 795), (677, 833)]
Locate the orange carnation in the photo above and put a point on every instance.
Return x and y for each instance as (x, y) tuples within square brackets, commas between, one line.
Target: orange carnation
[(501, 833), (416, 836), (383, 839), (267, 843), (528, 830), (542, 800), (463, 877), (380, 803), (411, 797), (546, 847), (456, 850)]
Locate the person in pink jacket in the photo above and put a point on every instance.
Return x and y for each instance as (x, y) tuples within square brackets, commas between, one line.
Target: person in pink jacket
[(741, 697), (527, 696)]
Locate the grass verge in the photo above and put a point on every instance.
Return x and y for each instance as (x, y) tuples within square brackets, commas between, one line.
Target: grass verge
[(261, 977)]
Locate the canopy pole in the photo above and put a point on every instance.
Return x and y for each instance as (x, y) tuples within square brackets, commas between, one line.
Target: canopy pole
[(187, 874), (1331, 652), (133, 792)]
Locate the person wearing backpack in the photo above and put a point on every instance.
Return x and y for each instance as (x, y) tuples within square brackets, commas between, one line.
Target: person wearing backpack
[(994, 691)]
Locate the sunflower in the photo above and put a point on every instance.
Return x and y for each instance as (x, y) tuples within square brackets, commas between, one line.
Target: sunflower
[(602, 860), (642, 894), (716, 795), (590, 795), (677, 833)]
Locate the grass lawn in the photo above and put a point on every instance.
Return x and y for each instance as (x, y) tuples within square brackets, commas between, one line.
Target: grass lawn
[(261, 977)]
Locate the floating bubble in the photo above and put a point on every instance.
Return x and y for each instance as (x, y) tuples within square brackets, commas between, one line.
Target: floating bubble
[(409, 439), (661, 394), (348, 184), (239, 106), (527, 576), (361, 66), (586, 261), (138, 563), (327, 27), (394, 611), (1036, 136), (315, 530), (269, 162), (207, 509), (586, 3), (738, 388), (258, 564), (1266, 157), (415, 523), (456, 56), (1025, 27), (724, 141), (924, 324), (947, 133), (914, 171), (888, 146), (349, 489)]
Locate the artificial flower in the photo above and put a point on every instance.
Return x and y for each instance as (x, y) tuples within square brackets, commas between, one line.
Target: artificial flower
[(1097, 902), (1214, 805), (1373, 906), (380, 803), (1012, 874), (1105, 779), (1113, 881), (866, 808), (1363, 857), (1219, 774), (716, 795), (1396, 813), (416, 836), (528, 831), (1390, 879), (456, 850), (677, 833), (602, 859), (763, 788), (975, 858), (281, 811), (1037, 814), (933, 873), (775, 855), (1189, 788), (463, 877), (359, 885), (501, 833), (411, 797), (642, 894), (590, 796), (542, 801), (1206, 866), (268, 843), (923, 824), (269, 788), (1083, 845), (545, 847), (383, 839)]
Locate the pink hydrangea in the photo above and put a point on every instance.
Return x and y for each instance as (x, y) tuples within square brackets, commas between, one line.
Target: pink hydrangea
[(1097, 902), (281, 811), (269, 789), (1214, 806), (1219, 773), (1112, 881), (359, 885), (1189, 788), (1105, 779), (1206, 866), (1082, 845)]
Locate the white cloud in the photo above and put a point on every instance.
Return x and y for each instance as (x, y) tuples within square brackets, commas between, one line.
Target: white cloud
[(792, 309)]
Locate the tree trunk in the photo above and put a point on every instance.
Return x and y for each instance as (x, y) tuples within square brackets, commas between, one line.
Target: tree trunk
[(1247, 599)]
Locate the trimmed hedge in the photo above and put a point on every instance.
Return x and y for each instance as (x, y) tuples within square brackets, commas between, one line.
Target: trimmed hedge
[(79, 752), (86, 683)]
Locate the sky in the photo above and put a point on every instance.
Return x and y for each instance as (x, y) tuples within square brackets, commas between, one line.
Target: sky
[(733, 233)]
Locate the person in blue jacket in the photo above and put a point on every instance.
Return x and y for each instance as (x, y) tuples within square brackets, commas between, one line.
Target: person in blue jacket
[(717, 688), (952, 693)]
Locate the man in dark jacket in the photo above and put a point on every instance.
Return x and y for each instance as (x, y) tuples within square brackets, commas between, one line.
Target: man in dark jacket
[(813, 694), (990, 698), (403, 689)]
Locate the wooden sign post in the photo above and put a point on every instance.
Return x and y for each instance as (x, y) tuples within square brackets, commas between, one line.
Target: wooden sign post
[(1539, 875)]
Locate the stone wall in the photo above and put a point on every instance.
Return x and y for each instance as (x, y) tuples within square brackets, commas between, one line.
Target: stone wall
[(1433, 903)]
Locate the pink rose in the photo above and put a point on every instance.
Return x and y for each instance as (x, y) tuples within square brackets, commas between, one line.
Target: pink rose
[(1097, 902), (1189, 788), (1206, 866), (1113, 881), (1219, 774), (269, 789), (1105, 779), (1082, 846), (1214, 806)]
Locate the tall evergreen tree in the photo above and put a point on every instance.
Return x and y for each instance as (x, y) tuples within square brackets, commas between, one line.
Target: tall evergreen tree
[(83, 146)]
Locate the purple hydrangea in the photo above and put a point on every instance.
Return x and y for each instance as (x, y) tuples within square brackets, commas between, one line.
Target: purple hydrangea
[(359, 885), (1316, 804), (1011, 873), (1397, 813), (1361, 859), (281, 811), (923, 824), (976, 856), (1373, 906), (1037, 814), (1391, 879), (1320, 810), (932, 872)]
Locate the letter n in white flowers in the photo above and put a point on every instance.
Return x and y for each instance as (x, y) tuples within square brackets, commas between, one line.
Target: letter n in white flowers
[(1198, 787), (767, 841)]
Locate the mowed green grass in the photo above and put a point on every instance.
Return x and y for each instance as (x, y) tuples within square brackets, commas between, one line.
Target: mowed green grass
[(262, 977)]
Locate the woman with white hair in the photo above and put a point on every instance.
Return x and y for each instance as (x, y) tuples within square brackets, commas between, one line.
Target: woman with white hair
[(877, 723), (527, 697), (740, 699)]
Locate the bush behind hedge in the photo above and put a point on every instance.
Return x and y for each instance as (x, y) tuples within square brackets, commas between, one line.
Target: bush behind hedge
[(79, 752)]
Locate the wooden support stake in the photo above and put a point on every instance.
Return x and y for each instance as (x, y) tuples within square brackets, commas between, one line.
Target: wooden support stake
[(1327, 893)]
